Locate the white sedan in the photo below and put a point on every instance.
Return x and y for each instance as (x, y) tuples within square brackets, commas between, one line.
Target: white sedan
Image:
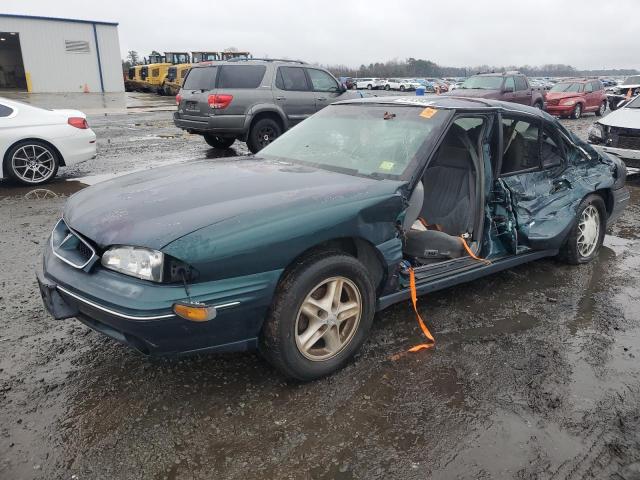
[(34, 141)]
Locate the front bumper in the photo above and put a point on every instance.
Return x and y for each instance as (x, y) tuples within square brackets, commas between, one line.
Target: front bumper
[(139, 313), (631, 158), (560, 110)]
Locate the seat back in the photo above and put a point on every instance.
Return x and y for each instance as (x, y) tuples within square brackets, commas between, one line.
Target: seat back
[(450, 190), (415, 207)]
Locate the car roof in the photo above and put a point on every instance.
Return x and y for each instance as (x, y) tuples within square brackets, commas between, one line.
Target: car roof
[(249, 61), (450, 102)]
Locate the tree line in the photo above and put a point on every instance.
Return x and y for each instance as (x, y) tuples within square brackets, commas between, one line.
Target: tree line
[(415, 67)]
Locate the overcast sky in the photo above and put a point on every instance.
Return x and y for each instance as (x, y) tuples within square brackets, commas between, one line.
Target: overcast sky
[(583, 33)]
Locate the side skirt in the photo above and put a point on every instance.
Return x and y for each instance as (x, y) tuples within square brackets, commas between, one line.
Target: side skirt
[(456, 274)]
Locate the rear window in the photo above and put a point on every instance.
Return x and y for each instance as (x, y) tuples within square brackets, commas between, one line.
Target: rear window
[(521, 84), (5, 111), (241, 76), (201, 79)]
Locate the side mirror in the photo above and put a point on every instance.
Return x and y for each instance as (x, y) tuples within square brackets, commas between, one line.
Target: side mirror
[(342, 88), (507, 90)]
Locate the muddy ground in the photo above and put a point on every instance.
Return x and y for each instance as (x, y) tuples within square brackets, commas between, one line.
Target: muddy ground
[(535, 373)]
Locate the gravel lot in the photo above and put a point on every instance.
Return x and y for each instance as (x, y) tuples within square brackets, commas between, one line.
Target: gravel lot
[(535, 373)]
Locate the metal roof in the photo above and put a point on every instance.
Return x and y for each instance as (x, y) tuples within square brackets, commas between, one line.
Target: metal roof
[(57, 19)]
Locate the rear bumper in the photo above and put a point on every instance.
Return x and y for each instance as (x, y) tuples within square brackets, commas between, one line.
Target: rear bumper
[(78, 148), (139, 314), (225, 125)]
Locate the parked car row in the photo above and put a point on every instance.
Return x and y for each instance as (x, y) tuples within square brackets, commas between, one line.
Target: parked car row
[(431, 85)]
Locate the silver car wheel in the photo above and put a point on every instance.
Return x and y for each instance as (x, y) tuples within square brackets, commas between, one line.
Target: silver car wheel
[(328, 318), (588, 231), (33, 163)]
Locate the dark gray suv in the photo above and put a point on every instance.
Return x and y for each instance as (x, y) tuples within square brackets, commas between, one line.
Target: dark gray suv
[(252, 100)]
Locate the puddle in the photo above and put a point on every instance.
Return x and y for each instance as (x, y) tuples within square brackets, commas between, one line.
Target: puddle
[(58, 188)]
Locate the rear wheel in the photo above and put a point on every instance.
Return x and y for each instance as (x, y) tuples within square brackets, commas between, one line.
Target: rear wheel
[(577, 111), (218, 142), (402, 88), (538, 105), (320, 317), (587, 235), (262, 133), (32, 162), (602, 109), (369, 87), (387, 87)]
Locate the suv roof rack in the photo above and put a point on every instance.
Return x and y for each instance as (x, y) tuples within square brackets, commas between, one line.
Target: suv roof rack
[(243, 59)]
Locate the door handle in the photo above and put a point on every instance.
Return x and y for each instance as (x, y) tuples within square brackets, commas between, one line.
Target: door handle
[(281, 98), (321, 98)]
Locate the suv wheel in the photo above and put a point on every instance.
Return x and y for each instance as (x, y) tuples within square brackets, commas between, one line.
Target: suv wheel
[(369, 87), (577, 111), (262, 133), (320, 317), (387, 87), (587, 235), (602, 109), (218, 142)]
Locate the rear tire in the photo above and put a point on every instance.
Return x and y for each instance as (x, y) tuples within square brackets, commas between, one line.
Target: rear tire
[(577, 111), (602, 109), (387, 87), (31, 162), (307, 347), (586, 236), (262, 133), (218, 142), (402, 88), (369, 87), (538, 105)]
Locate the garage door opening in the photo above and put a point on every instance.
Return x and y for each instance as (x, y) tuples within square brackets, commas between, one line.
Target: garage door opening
[(12, 75)]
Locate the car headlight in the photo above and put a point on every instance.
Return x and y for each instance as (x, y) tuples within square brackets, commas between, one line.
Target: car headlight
[(567, 102), (138, 262), (596, 131)]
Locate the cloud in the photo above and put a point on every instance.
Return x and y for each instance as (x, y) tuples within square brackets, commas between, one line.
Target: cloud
[(353, 32)]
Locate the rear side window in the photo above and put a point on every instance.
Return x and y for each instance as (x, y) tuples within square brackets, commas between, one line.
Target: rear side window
[(201, 79), (292, 78), (588, 87), (241, 76), (550, 149), (521, 84), (5, 111), (509, 83), (520, 150), (597, 86)]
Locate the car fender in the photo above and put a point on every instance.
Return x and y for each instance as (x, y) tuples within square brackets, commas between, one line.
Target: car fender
[(265, 108)]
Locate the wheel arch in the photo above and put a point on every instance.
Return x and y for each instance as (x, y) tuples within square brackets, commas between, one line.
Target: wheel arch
[(608, 198), (261, 113), (5, 157), (357, 247)]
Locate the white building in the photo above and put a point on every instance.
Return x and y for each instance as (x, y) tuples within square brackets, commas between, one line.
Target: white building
[(43, 54)]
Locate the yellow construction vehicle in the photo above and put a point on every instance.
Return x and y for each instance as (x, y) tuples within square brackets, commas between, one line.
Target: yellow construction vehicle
[(229, 55), (181, 63), (132, 81), (198, 57)]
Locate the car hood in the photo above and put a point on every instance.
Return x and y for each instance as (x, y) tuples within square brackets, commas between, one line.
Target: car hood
[(155, 207), (623, 117), (476, 93)]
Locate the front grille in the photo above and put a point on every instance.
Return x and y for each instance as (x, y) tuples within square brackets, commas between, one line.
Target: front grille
[(553, 102), (70, 247), (627, 138)]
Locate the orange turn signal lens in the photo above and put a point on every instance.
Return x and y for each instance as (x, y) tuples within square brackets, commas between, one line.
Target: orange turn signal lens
[(194, 312)]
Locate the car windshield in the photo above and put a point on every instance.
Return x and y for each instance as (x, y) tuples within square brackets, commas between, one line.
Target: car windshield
[(635, 103), (567, 87), (483, 82), (377, 141)]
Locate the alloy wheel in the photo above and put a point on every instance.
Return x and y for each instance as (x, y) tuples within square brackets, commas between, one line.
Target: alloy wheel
[(603, 108), (266, 135), (577, 111), (33, 163), (328, 318), (588, 231)]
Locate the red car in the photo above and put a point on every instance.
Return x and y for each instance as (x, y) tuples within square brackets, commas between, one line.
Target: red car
[(572, 98)]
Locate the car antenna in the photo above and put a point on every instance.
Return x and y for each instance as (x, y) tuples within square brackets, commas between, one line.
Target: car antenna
[(186, 287)]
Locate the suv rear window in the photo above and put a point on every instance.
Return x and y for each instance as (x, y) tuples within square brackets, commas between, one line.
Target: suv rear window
[(241, 76), (203, 78)]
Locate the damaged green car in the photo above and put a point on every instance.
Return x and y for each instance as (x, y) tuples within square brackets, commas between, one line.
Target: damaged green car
[(294, 250)]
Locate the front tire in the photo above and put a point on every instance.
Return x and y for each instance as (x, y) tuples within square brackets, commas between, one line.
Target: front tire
[(31, 162), (402, 88), (586, 237), (369, 87), (602, 109), (387, 87), (218, 142), (262, 133), (577, 111), (321, 314)]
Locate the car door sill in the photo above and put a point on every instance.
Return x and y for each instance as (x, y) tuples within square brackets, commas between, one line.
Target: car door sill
[(440, 276)]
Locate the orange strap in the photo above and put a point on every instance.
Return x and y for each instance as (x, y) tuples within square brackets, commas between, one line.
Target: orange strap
[(423, 327), (426, 225), (471, 254)]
